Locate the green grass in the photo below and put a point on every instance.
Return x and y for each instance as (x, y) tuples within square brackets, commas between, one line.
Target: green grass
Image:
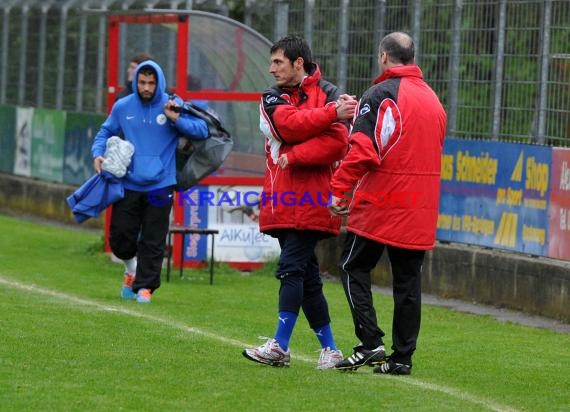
[(68, 343)]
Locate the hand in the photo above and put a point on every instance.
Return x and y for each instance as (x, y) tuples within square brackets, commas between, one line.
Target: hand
[(171, 114), (283, 161), (345, 107), (97, 162), (338, 206), (347, 97)]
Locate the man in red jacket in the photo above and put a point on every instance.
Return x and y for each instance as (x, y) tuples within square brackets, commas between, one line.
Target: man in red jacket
[(391, 178), (301, 120)]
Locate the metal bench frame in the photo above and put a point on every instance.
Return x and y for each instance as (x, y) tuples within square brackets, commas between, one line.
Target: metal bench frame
[(183, 231)]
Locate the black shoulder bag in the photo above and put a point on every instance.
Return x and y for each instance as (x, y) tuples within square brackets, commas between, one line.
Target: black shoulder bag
[(198, 158)]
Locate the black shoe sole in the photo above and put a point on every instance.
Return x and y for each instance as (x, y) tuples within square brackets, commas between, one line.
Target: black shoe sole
[(270, 363), (399, 369)]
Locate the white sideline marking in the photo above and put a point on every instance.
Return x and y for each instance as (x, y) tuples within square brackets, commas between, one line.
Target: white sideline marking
[(455, 393)]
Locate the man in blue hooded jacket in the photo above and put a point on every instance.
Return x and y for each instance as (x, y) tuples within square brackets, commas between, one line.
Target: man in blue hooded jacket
[(139, 222)]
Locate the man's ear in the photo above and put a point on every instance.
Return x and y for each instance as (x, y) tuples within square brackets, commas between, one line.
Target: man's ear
[(299, 63)]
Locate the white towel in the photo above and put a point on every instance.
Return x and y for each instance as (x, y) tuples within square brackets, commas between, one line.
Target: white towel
[(117, 156)]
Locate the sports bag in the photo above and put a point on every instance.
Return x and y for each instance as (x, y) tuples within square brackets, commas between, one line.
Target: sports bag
[(198, 158)]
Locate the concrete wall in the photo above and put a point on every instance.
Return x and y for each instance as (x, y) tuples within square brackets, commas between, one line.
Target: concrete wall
[(40, 198), (534, 285)]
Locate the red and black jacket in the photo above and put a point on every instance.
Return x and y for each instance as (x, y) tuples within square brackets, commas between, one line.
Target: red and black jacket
[(301, 122), (394, 161)]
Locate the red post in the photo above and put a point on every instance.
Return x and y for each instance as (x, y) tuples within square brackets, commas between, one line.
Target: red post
[(112, 90), (180, 89), (112, 64), (182, 56)]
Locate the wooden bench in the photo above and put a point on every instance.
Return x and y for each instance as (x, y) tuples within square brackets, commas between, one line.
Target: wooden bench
[(183, 231)]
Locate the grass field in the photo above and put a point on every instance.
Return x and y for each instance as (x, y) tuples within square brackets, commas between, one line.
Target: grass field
[(68, 343)]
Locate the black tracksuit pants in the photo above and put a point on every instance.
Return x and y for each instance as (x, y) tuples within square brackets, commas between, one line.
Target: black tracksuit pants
[(139, 226), (359, 257)]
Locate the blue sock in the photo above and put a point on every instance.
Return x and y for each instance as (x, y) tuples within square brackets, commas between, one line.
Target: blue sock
[(285, 327), (325, 336)]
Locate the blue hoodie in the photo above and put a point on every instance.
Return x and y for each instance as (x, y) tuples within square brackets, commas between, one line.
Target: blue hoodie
[(154, 136)]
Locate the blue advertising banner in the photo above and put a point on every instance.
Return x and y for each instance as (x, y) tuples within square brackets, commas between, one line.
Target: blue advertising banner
[(495, 194), (195, 215)]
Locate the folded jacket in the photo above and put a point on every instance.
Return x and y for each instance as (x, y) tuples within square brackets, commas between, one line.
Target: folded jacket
[(95, 195)]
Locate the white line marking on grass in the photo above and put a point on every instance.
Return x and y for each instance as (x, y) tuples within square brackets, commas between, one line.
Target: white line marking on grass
[(408, 380)]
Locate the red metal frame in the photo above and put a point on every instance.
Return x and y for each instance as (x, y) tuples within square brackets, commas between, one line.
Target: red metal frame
[(182, 23), (182, 47)]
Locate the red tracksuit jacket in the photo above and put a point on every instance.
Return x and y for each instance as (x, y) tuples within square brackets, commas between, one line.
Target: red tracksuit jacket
[(394, 161), (302, 123)]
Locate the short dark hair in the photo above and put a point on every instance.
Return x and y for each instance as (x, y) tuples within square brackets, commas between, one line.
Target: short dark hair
[(399, 47), (148, 70), (294, 47), (141, 57)]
